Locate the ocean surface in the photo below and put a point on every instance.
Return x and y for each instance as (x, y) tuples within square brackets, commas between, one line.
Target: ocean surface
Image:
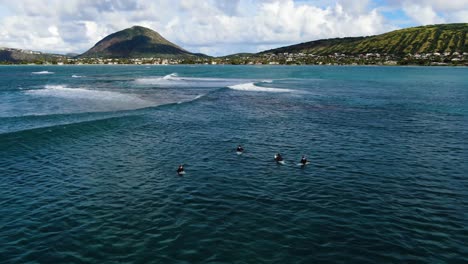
[(88, 159)]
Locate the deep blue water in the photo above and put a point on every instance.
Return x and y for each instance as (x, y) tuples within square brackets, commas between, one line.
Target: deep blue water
[(88, 157)]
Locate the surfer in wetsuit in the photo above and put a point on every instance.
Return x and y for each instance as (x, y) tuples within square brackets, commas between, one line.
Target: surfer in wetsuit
[(303, 160), (278, 157), (180, 169), (240, 149)]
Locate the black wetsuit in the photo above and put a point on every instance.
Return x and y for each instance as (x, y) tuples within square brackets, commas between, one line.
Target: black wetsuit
[(303, 161), (180, 169), (278, 157)]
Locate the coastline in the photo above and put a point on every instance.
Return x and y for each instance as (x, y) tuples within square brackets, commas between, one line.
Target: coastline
[(253, 65)]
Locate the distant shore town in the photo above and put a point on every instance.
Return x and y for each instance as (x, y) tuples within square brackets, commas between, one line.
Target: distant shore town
[(423, 59)]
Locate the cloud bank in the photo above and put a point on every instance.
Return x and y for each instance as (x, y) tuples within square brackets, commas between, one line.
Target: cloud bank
[(214, 27)]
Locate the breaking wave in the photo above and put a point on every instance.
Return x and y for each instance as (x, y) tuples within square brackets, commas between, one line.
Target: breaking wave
[(81, 93), (171, 76), (173, 80), (252, 87), (159, 80), (77, 76), (43, 72)]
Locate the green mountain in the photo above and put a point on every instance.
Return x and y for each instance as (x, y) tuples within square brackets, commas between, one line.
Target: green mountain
[(11, 55), (136, 42), (424, 39)]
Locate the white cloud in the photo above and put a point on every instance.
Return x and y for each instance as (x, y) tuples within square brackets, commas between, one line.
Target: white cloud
[(53, 31), (425, 12), (353, 6), (460, 16), (437, 5), (424, 15), (275, 22), (217, 27)]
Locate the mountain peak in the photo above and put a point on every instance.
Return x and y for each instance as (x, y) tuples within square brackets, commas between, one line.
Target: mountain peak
[(139, 27), (134, 42)]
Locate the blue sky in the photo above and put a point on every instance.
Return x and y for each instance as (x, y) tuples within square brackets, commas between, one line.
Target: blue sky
[(213, 27)]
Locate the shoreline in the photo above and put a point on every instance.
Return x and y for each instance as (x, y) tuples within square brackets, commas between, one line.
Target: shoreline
[(252, 65)]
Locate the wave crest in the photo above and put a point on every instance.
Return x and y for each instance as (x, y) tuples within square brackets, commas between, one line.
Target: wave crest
[(174, 80), (43, 72), (252, 87), (81, 93), (170, 76), (159, 80)]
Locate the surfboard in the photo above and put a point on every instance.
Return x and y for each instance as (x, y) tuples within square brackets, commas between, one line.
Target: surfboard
[(181, 173), (300, 164), (239, 152)]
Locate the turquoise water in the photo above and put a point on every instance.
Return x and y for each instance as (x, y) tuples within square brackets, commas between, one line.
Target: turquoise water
[(88, 157)]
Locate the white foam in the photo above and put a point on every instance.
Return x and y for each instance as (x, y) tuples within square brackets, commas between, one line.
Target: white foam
[(77, 76), (171, 76), (43, 72), (95, 95), (254, 88), (173, 80), (158, 80)]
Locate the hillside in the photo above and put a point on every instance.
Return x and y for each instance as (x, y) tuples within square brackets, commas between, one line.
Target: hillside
[(136, 42), (10, 55), (424, 39)]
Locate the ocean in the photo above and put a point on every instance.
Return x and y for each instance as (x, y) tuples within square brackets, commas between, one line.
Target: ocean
[(88, 160)]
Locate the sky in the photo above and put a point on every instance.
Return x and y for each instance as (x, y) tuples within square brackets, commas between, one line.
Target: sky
[(213, 27)]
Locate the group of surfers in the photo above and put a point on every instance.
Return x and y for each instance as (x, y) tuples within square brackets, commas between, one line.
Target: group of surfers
[(278, 158)]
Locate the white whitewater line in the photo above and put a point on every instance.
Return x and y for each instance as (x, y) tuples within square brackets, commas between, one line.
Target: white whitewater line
[(251, 87), (159, 80), (170, 76), (81, 93), (173, 80), (77, 76), (43, 72), (191, 100)]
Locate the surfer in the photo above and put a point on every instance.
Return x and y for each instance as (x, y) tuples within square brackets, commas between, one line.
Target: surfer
[(278, 157), (180, 170), (304, 160), (240, 149)]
